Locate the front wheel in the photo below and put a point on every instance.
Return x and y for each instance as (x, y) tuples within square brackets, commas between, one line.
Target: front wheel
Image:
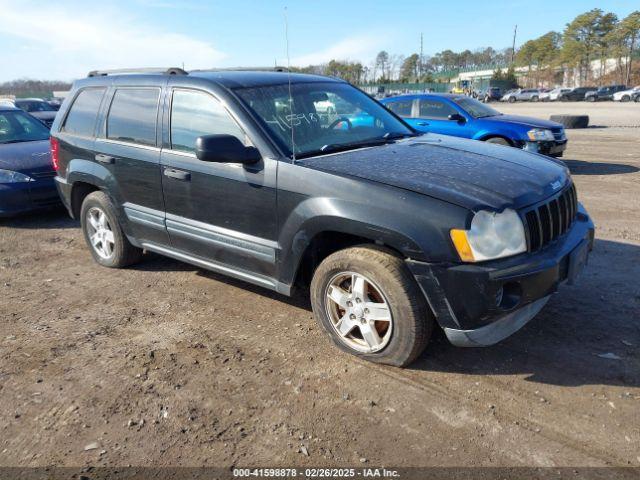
[(625, 98), (535, 99), (512, 99), (498, 141), (370, 305)]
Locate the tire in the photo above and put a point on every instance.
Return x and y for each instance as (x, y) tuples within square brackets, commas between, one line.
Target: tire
[(535, 99), (637, 99), (498, 141), (403, 337), (625, 98), (590, 99), (512, 99), (571, 121), (113, 250)]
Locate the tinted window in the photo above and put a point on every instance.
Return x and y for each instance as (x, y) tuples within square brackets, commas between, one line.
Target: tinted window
[(81, 119), (132, 116), (401, 108), (430, 108), (194, 114)]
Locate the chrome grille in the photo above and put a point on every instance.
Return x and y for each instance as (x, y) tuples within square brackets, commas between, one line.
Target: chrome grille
[(550, 220)]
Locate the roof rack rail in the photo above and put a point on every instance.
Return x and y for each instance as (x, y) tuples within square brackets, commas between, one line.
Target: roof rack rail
[(245, 69), (120, 71)]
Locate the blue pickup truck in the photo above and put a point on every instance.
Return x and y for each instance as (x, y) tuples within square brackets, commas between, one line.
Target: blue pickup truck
[(462, 116)]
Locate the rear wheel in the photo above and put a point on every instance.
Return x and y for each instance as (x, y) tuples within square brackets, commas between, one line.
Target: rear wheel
[(370, 305), (625, 98), (512, 99), (591, 99), (107, 242), (535, 99)]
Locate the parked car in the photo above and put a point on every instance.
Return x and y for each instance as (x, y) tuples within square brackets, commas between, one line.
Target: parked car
[(55, 104), (604, 93), (465, 117), (626, 95), (575, 94), (26, 172), (394, 231), (553, 94), (522, 95), (492, 94), (38, 108)]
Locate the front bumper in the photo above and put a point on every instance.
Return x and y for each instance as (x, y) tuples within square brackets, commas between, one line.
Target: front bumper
[(17, 198), (480, 304), (554, 148)]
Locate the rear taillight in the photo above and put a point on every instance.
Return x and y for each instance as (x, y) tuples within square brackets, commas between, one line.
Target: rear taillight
[(55, 153)]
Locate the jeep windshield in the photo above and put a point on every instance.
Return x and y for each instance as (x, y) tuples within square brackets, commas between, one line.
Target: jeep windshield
[(310, 119)]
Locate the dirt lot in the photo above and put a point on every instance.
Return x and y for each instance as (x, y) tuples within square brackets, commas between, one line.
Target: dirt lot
[(165, 364)]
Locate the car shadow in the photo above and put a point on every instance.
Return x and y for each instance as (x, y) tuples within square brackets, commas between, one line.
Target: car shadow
[(157, 263), (588, 333), (53, 218), (580, 167)]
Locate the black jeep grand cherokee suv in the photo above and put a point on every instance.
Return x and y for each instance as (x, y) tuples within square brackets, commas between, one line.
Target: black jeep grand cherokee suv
[(284, 180)]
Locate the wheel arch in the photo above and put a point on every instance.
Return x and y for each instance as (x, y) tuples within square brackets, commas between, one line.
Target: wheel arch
[(488, 136)]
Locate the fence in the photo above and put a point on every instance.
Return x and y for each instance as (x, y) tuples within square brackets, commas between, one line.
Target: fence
[(396, 88)]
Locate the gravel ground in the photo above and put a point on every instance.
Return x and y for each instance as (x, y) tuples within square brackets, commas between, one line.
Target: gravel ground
[(165, 364)]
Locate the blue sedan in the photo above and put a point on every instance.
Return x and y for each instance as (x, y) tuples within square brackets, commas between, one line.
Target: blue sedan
[(26, 172), (462, 116)]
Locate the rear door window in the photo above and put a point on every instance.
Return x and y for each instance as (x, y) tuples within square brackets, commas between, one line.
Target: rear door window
[(430, 108), (133, 115), (402, 108), (194, 114), (83, 114)]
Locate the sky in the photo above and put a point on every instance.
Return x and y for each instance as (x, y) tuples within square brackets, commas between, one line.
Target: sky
[(64, 39)]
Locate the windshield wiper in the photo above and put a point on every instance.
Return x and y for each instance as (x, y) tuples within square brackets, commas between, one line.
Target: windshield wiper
[(341, 147)]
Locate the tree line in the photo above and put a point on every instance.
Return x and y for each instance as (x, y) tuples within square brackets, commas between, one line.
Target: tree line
[(591, 36), (32, 88)]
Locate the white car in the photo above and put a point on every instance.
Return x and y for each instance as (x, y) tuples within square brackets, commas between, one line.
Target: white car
[(553, 95), (625, 95)]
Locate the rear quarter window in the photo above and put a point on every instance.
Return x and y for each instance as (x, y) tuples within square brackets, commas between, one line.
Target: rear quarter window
[(402, 108), (81, 119), (133, 115)]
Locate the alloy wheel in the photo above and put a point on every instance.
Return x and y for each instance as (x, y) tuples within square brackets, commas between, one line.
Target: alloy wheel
[(100, 233), (359, 312)]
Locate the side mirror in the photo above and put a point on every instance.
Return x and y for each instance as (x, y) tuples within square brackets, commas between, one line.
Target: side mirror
[(456, 117), (225, 149)]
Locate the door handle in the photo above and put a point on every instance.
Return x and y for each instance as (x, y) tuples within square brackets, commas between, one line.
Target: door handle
[(422, 124), (177, 174), (105, 158)]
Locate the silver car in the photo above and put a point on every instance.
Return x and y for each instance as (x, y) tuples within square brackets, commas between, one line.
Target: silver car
[(522, 95)]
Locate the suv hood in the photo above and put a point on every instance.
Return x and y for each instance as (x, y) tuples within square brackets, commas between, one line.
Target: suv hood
[(26, 157), (467, 173), (524, 121)]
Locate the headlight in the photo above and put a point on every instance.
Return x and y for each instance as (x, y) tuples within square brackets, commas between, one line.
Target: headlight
[(492, 235), (9, 176), (538, 134)]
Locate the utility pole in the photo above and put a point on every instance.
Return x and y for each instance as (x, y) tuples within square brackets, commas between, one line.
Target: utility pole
[(513, 47), (420, 60)]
